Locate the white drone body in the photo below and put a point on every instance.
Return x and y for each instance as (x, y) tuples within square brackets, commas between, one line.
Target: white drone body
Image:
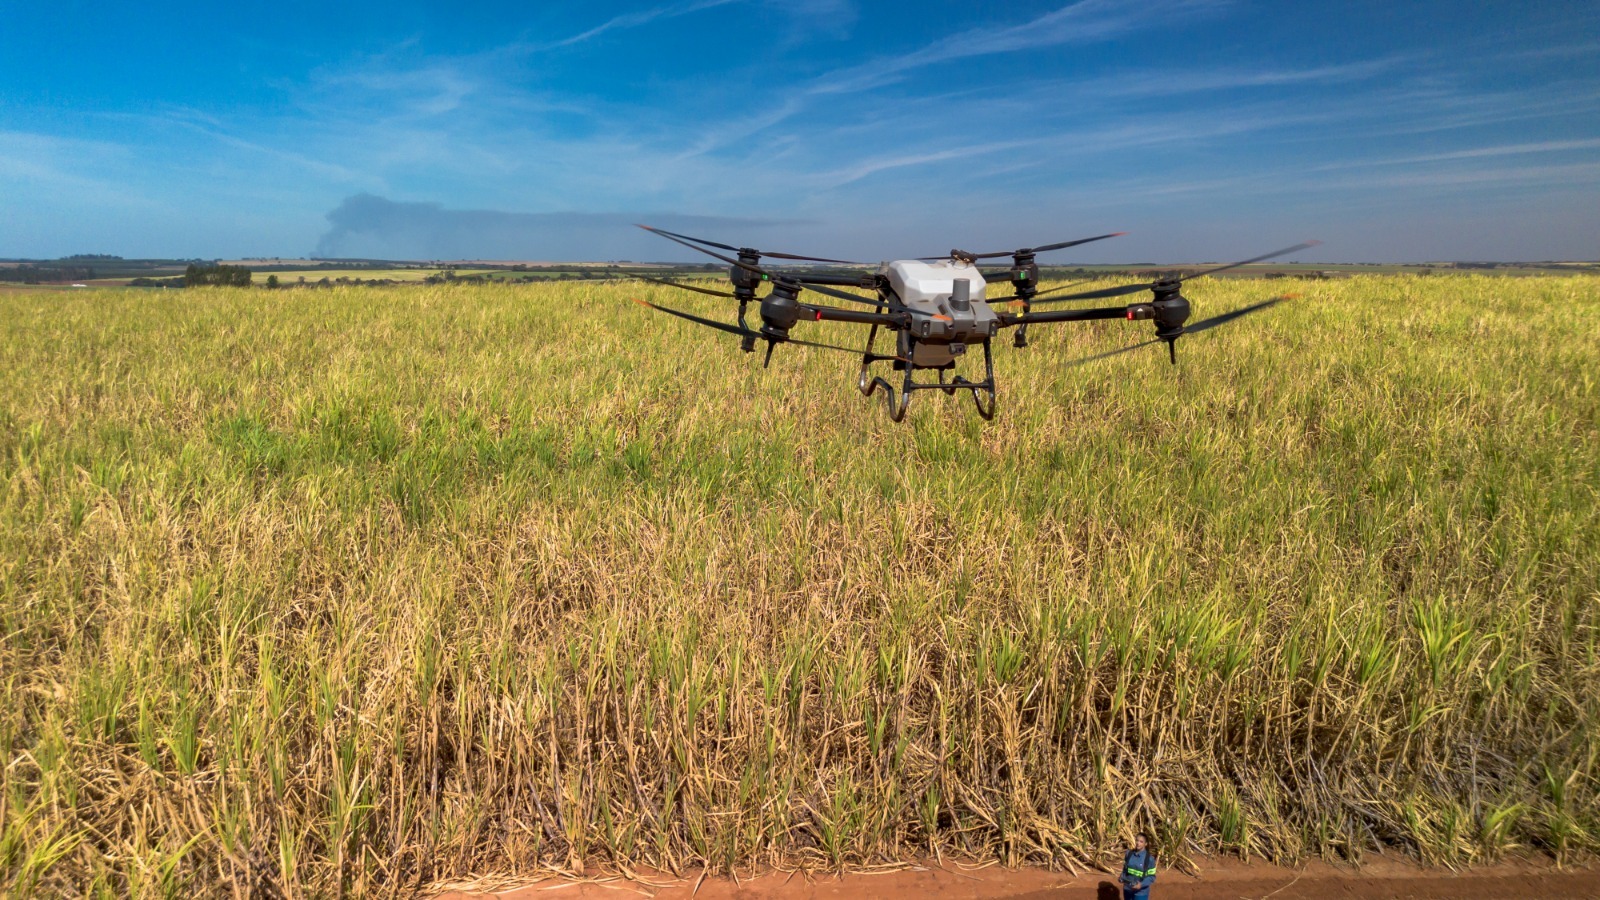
[(951, 292)]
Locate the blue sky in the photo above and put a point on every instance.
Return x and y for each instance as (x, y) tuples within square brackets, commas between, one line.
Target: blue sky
[(1207, 129)]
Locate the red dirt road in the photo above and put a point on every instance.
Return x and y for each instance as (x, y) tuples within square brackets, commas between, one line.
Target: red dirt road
[(1380, 879)]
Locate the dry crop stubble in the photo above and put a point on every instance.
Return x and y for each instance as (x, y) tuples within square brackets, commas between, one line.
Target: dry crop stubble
[(360, 589)]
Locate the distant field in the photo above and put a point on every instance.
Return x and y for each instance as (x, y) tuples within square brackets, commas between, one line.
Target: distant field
[(290, 278), (361, 589), (293, 278), (312, 275), (288, 275)]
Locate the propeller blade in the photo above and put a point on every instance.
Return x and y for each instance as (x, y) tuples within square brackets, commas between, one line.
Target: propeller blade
[(776, 255), (1196, 328), (1109, 353), (853, 298), (1245, 262), (687, 287), (1042, 249), (1136, 288), (1119, 291), (744, 332), (1065, 244), (710, 323), (685, 237), (763, 272), (663, 231), (1060, 288), (1225, 318), (825, 346), (680, 240)]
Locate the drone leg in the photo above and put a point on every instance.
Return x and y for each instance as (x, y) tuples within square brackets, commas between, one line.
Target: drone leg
[(984, 410), (862, 383), (748, 342), (898, 413), (988, 365), (948, 391), (1019, 338)]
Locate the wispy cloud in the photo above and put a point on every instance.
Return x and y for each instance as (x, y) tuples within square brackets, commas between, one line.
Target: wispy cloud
[(1078, 124), (1427, 110), (642, 17), (859, 170), (1584, 49), (1085, 21), (1170, 83), (1471, 153), (213, 129), (371, 226), (57, 163), (1573, 175), (1114, 106), (1081, 22), (434, 88), (1384, 188)]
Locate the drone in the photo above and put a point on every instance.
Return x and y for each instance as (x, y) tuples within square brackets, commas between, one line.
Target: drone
[(938, 309)]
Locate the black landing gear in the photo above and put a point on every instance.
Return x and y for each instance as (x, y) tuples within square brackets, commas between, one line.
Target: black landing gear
[(983, 394)]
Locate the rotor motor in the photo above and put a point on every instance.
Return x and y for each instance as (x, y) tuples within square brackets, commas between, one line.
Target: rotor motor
[(1024, 275), (780, 310), (744, 289), (1024, 284), (744, 280), (1169, 310)]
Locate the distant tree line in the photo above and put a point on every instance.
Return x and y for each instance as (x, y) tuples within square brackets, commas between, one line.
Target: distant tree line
[(223, 276), (29, 274), (201, 274)]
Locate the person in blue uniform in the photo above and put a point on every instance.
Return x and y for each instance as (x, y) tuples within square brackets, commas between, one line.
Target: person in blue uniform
[(1138, 870)]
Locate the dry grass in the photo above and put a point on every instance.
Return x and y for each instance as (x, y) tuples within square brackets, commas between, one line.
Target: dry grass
[(355, 590)]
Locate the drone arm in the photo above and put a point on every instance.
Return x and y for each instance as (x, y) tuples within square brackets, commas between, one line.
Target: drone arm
[(864, 317), (857, 281), (1067, 315)]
